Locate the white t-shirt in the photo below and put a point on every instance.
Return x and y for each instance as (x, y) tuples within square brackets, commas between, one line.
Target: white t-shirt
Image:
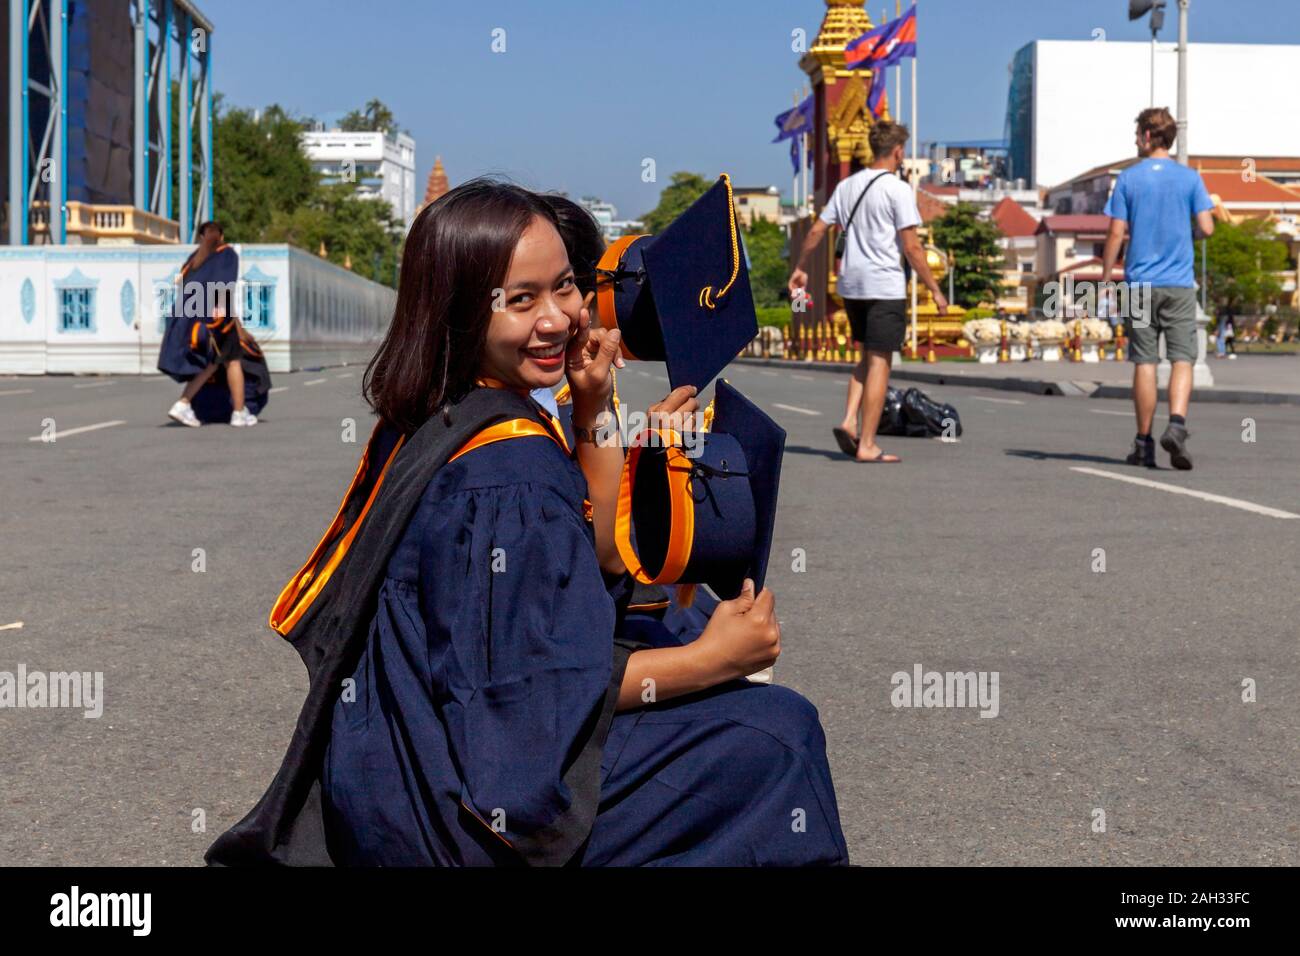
[(873, 264)]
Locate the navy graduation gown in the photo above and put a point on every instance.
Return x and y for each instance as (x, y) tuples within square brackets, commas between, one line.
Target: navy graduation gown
[(187, 341), (487, 684), (330, 629), (478, 685), (212, 402)]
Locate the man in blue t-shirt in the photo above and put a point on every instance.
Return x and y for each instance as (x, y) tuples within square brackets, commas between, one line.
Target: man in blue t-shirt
[(1156, 201)]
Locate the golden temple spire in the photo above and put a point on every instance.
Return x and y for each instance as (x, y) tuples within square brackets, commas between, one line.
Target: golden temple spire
[(845, 20), (437, 184)]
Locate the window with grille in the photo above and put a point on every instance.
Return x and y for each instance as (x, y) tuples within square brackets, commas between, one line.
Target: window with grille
[(77, 309), (259, 300)]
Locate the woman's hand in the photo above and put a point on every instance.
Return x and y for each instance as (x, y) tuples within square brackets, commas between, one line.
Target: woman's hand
[(742, 637), (676, 410), (587, 362)]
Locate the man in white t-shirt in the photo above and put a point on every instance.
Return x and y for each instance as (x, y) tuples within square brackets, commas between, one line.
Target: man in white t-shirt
[(872, 282)]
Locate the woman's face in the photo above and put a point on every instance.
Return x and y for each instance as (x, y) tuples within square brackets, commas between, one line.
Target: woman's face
[(534, 314)]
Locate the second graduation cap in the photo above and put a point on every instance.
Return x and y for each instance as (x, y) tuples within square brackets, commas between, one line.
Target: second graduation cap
[(706, 519), (682, 297)]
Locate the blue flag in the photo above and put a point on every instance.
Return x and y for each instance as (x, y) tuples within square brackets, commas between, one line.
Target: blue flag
[(793, 122)]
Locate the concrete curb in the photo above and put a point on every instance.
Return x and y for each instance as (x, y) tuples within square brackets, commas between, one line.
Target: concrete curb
[(1070, 388)]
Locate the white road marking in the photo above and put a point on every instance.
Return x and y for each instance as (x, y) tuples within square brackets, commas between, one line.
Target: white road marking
[(344, 375), (278, 388), (804, 378), (15, 626), (643, 374), (315, 381), (1203, 495), (17, 391), (763, 371), (946, 441), (1106, 411), (78, 431), (660, 378), (795, 408), (1000, 401), (96, 385)]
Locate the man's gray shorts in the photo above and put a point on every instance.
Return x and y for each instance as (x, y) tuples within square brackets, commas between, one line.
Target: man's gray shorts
[(1167, 309)]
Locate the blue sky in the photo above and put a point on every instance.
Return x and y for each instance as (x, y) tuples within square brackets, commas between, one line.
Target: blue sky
[(588, 89)]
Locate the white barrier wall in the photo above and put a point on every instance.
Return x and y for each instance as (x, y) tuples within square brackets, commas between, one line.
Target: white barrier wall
[(102, 309)]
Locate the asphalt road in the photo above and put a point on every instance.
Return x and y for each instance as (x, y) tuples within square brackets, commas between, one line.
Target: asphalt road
[(1118, 691)]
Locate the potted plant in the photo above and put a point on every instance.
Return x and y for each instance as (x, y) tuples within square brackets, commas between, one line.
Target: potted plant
[(1094, 332), (986, 337), (1048, 334), (1018, 340)]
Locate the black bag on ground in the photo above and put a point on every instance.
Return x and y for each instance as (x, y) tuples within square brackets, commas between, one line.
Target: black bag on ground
[(893, 421), (922, 411)]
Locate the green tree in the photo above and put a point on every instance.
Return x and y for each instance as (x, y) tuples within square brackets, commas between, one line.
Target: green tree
[(674, 200), (259, 170), (972, 244), (267, 191), (765, 243), (374, 118), (353, 229), (1242, 262)]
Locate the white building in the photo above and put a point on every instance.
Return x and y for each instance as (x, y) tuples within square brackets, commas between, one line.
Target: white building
[(606, 216), (381, 166), (1072, 103), (103, 309)]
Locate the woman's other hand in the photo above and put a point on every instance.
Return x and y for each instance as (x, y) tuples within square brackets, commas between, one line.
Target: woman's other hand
[(676, 409), (588, 359), (742, 637)]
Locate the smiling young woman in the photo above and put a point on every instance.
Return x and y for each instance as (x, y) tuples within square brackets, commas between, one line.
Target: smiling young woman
[(474, 699)]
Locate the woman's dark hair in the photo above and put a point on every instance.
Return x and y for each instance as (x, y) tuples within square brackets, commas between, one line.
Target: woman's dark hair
[(210, 224), (582, 239), (457, 255)]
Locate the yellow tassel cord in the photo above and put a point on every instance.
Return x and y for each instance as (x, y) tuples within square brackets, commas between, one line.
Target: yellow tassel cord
[(707, 298)]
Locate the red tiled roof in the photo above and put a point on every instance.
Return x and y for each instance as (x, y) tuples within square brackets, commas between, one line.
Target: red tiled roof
[(938, 190), (1230, 187), (930, 207), (1076, 223), (1211, 163), (1011, 217)]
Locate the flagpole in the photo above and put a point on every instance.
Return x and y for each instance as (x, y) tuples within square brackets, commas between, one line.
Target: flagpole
[(805, 156), (915, 184), (898, 71), (794, 189)]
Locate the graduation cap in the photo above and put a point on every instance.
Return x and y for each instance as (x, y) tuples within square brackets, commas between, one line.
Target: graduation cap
[(682, 297), (705, 518)]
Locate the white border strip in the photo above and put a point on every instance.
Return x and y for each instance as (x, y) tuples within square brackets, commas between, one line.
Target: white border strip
[(75, 431), (1203, 495)]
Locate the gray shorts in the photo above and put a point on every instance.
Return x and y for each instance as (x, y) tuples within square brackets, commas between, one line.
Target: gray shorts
[(1171, 310)]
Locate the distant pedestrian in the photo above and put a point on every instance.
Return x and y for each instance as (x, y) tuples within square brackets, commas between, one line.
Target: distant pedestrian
[(204, 336), (877, 215), (1155, 201)]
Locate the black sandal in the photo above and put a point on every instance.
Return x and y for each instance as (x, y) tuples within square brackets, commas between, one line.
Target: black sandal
[(848, 444)]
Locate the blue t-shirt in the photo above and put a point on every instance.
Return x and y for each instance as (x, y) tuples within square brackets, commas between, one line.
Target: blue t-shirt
[(1158, 198)]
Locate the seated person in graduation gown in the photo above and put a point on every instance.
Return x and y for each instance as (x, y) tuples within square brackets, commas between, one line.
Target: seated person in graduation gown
[(204, 344), (496, 715)]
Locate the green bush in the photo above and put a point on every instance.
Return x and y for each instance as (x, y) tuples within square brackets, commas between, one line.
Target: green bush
[(778, 315)]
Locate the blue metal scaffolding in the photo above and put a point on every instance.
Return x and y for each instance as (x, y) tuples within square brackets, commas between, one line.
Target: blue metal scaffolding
[(172, 44)]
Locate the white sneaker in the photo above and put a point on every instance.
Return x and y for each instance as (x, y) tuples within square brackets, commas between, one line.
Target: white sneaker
[(243, 418), (182, 413)]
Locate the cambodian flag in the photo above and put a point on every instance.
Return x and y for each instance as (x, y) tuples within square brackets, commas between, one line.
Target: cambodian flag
[(882, 47)]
